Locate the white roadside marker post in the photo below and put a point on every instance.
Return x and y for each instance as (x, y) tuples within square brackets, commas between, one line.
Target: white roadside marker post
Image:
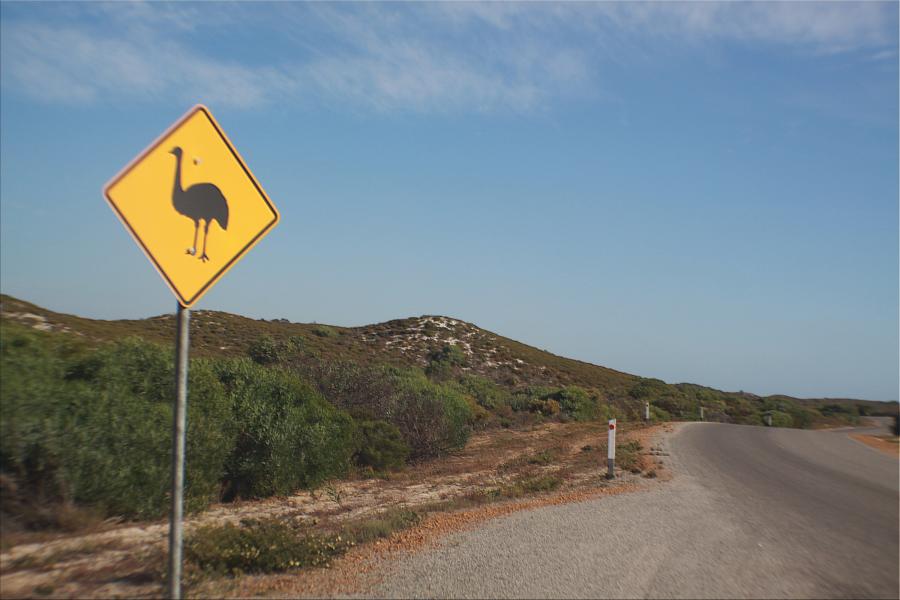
[(611, 451), (701, 414), (646, 411)]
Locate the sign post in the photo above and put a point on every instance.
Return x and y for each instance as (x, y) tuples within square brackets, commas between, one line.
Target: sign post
[(190, 178), (701, 414), (179, 423), (611, 451), (646, 411)]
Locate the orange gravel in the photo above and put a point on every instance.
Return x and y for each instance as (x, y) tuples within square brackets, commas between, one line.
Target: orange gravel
[(879, 443)]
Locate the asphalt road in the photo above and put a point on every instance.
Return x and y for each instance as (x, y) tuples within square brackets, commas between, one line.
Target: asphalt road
[(752, 512)]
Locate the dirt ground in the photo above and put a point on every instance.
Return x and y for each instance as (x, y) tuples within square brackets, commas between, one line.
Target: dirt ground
[(888, 444), (128, 560)]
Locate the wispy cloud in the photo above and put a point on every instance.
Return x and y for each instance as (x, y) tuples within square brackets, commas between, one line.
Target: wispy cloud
[(444, 57)]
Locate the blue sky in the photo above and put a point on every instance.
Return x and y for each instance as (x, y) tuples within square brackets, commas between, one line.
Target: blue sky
[(703, 192)]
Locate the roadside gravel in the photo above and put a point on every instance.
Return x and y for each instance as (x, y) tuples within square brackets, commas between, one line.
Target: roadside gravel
[(722, 528)]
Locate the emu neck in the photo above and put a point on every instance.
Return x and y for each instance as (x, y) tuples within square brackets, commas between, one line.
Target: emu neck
[(176, 190)]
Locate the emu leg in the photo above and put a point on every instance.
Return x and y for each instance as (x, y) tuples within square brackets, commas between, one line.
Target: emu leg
[(204, 257), (193, 249)]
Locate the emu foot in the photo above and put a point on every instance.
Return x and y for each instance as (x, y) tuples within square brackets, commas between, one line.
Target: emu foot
[(191, 251), (204, 258)]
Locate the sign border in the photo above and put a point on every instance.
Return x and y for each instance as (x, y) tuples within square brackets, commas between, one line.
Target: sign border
[(189, 302)]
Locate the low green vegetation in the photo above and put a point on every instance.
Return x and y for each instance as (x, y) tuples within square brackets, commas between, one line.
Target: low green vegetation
[(521, 486), (260, 546), (382, 525)]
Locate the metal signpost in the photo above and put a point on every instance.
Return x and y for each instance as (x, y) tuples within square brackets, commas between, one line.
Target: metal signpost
[(190, 178), (611, 451)]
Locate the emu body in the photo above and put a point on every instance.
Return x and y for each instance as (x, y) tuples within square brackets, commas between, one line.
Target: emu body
[(200, 202)]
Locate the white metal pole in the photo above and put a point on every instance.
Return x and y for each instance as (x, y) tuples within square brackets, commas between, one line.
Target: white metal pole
[(611, 451), (182, 345), (701, 414), (646, 411)]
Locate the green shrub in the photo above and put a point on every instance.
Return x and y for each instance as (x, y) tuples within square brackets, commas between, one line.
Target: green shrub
[(382, 526), (119, 434), (444, 363), (287, 435), (433, 418), (450, 354), (96, 428), (526, 485), (486, 393), (260, 546), (380, 445), (266, 351), (577, 403), (781, 419), (325, 331)]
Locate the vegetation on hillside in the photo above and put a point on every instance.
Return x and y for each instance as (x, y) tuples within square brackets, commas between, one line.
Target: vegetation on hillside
[(85, 406)]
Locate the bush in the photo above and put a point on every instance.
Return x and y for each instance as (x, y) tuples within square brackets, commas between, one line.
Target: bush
[(287, 435), (486, 393), (577, 403), (444, 363), (96, 428), (260, 546), (781, 419), (380, 445), (433, 418), (383, 525), (527, 485), (120, 434), (325, 331), (266, 351), (364, 392)]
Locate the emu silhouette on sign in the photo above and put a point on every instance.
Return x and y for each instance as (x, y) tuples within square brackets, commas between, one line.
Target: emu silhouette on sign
[(200, 202)]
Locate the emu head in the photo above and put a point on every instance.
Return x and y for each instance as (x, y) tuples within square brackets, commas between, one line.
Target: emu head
[(176, 151)]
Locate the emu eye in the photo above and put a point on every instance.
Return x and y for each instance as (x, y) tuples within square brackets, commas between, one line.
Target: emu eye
[(196, 161)]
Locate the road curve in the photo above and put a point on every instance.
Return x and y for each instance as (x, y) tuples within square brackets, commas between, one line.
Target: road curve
[(752, 512)]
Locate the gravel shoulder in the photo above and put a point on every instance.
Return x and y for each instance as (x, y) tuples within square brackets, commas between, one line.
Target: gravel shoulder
[(752, 512)]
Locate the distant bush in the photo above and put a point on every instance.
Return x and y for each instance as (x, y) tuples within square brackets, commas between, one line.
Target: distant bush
[(444, 363), (577, 403), (287, 436), (380, 445), (325, 331), (801, 417), (265, 350), (486, 393), (648, 388)]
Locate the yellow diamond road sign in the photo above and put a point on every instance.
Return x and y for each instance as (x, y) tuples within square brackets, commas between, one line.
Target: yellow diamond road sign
[(191, 204)]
